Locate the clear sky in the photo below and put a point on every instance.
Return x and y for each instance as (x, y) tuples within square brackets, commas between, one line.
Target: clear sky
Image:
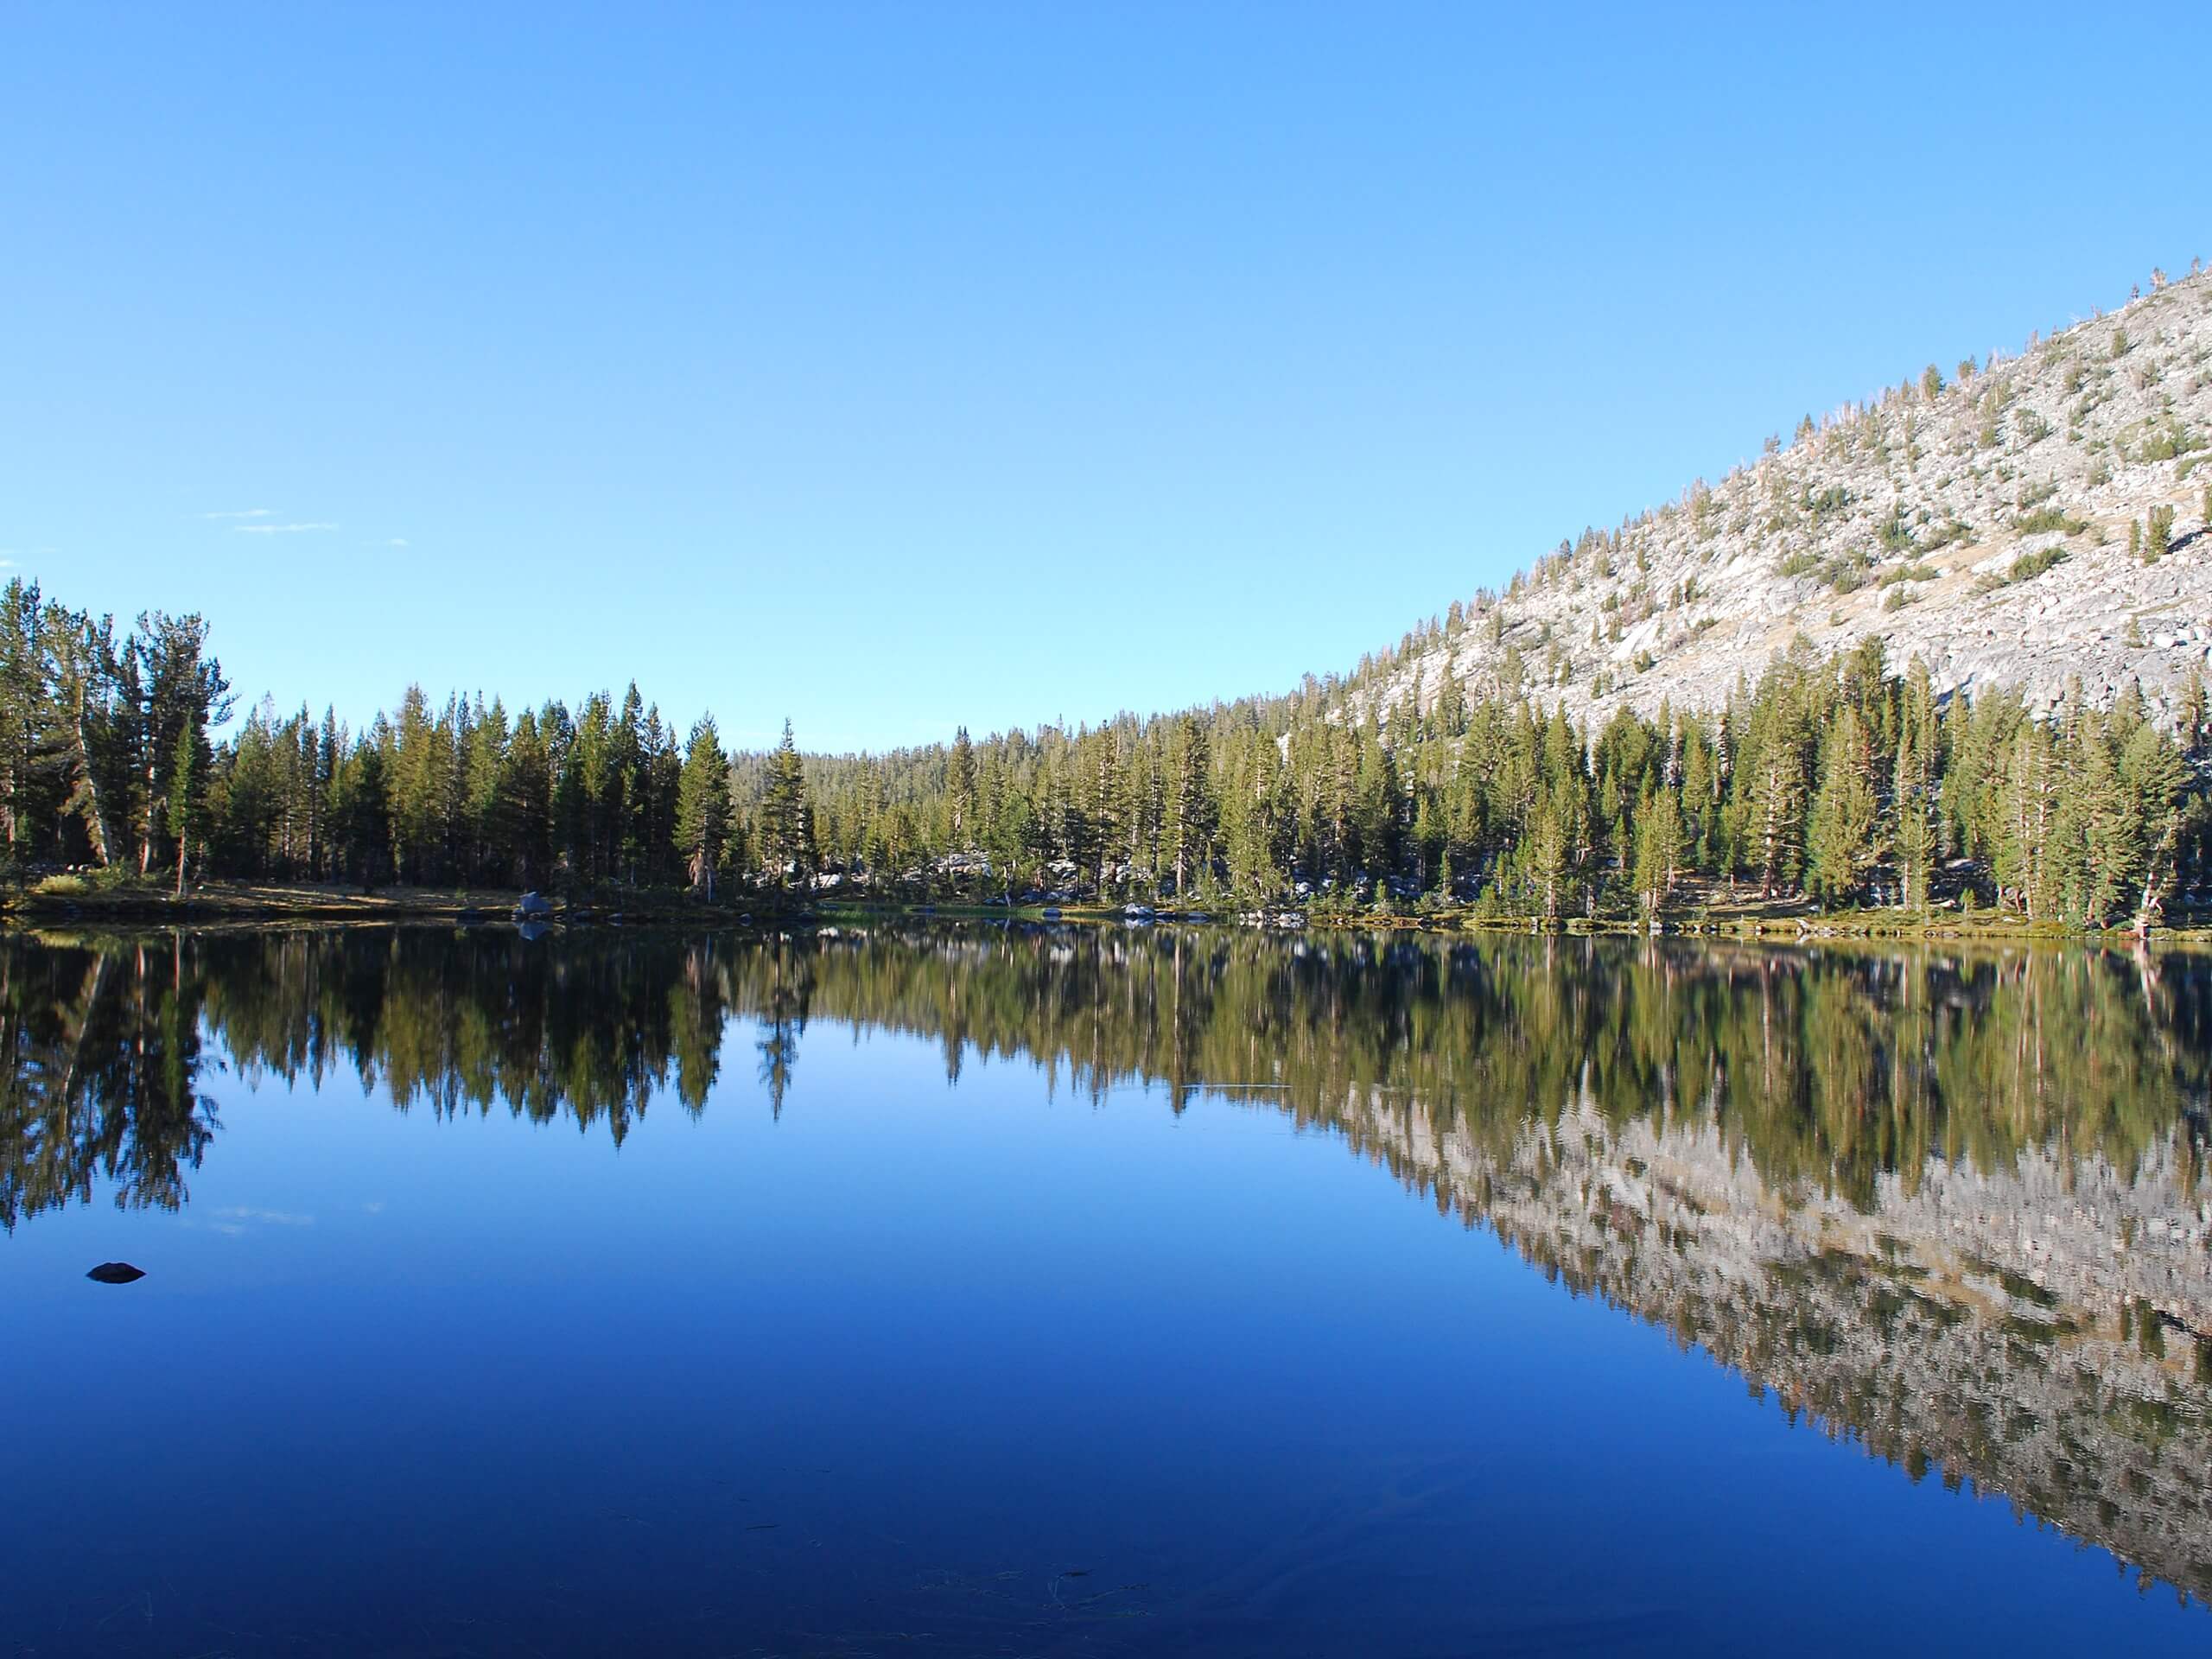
[(895, 366)]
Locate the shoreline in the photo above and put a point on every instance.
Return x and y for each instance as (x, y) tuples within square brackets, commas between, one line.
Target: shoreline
[(275, 904)]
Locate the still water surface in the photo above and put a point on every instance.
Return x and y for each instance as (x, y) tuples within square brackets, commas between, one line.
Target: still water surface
[(1099, 1293)]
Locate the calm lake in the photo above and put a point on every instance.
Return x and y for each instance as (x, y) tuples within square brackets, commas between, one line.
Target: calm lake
[(1099, 1291)]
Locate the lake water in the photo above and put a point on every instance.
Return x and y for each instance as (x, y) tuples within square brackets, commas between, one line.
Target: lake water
[(1099, 1292)]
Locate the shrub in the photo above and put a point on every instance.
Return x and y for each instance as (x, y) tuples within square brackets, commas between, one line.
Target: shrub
[(2160, 536), (2044, 519), (2029, 566)]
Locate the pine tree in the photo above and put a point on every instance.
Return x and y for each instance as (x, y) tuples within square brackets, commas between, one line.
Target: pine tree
[(483, 761), (1191, 811), (1840, 837), (786, 817), (2154, 780), (2159, 535), (1550, 850), (90, 751), (1658, 847), (1771, 788), (962, 785), (187, 798), (2097, 849), (522, 815), (412, 770), (2192, 718), (703, 806), (2027, 801)]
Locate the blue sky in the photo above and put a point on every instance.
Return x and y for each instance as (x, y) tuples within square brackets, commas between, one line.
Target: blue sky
[(893, 368)]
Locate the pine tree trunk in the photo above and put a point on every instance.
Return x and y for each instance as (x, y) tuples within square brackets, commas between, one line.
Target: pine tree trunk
[(96, 815), (2147, 907)]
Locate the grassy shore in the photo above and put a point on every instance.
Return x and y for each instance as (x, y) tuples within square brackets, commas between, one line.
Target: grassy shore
[(251, 901), (80, 899)]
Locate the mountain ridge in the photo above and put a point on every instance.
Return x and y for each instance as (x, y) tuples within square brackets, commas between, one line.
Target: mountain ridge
[(1993, 522)]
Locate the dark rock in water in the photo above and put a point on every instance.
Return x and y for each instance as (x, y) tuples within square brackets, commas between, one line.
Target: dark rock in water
[(116, 1273)]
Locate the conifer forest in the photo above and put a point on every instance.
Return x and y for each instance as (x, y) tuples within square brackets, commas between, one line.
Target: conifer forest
[(1843, 781)]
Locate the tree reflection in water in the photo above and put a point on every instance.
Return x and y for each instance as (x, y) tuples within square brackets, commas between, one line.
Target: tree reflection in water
[(1949, 1205)]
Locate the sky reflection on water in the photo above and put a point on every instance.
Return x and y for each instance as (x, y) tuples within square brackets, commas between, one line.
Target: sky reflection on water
[(945, 1309)]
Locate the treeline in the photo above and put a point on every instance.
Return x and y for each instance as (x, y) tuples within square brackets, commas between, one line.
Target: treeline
[(109, 757), (1834, 779), (1829, 1070), (1840, 780)]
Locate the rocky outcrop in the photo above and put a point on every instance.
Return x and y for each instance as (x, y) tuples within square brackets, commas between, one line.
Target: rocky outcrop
[(1985, 528)]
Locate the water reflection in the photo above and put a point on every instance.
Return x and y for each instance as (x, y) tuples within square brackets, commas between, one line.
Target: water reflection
[(103, 1058), (1950, 1208)]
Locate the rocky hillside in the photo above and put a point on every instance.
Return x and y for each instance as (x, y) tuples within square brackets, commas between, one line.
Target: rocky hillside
[(2007, 522)]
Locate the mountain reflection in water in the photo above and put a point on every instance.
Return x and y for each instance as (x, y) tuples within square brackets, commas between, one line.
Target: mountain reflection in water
[(1951, 1207)]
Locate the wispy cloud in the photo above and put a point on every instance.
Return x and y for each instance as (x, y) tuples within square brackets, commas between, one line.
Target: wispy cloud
[(242, 513), (279, 529), (389, 541)]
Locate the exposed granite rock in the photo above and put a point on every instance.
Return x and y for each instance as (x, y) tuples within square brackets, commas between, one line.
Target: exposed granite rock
[(1904, 518)]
